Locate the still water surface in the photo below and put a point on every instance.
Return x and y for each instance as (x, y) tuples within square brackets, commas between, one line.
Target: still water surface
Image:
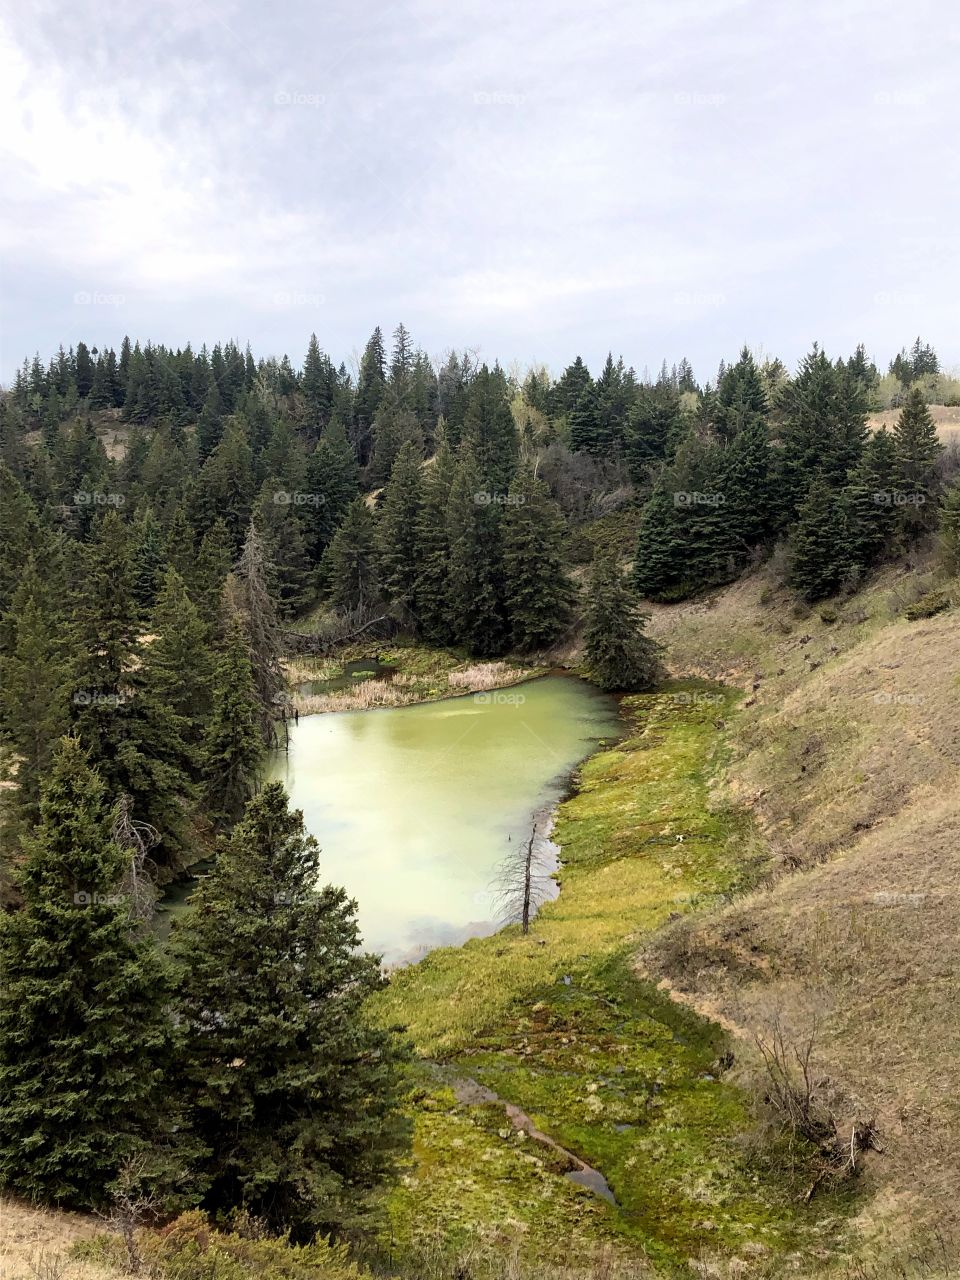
[(415, 808)]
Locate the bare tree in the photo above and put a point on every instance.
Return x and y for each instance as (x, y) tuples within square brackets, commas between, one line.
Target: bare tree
[(522, 884), (136, 839), (131, 1206)]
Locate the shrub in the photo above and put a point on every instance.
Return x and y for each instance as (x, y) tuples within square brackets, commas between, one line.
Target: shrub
[(932, 603), (828, 615)]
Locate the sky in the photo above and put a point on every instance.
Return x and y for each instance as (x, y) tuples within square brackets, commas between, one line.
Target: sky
[(528, 179)]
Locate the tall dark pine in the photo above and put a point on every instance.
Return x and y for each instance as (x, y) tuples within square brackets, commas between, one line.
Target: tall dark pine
[(258, 615), (917, 448), (819, 544), (432, 557), (489, 431), (539, 595), (475, 583), (617, 655), (350, 561), (83, 1029), (232, 752), (291, 1089), (397, 529)]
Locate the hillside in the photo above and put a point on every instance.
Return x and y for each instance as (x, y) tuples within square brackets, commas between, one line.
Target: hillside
[(847, 752)]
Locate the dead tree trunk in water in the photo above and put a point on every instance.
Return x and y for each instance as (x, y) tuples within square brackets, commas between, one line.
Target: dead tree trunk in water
[(521, 884)]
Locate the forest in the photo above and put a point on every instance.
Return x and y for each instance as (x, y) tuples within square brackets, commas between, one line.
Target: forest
[(173, 524)]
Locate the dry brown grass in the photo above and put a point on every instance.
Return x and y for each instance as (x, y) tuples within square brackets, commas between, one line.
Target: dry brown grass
[(848, 751), (36, 1244)]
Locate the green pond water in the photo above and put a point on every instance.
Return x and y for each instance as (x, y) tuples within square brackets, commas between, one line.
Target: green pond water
[(416, 808)]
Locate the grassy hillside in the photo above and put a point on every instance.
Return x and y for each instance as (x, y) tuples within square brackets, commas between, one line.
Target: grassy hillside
[(848, 754)]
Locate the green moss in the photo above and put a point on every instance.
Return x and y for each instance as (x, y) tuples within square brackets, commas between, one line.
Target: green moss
[(558, 1024)]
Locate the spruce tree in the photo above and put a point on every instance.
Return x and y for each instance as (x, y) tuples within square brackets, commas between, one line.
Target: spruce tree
[(432, 553), (36, 685), (617, 654), (332, 480), (178, 662), (233, 749), (538, 591), (279, 520), (869, 502), (917, 449), (350, 561), (149, 558), (258, 614), (397, 528), (291, 1088), (209, 574), (83, 1031), (741, 400), (819, 543), (475, 579), (490, 432)]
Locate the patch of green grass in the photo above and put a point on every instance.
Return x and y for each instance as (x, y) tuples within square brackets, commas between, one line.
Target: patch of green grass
[(559, 1024)]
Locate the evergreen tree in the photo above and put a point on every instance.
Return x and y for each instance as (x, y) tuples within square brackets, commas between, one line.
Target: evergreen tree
[(370, 388), (233, 747), (258, 615), (393, 427), (490, 433), (178, 663), (658, 560), (823, 417), (651, 429), (350, 561), (432, 547), (149, 558), (209, 574), (741, 401), (332, 480), (868, 501), (917, 449), (475, 579), (538, 591), (83, 1031), (317, 383), (617, 654), (210, 422), (397, 528), (289, 571), (271, 979), (819, 543), (36, 684)]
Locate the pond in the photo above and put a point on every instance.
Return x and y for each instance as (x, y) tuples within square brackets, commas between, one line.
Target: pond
[(416, 808)]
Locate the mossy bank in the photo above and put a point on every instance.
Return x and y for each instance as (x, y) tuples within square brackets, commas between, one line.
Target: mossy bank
[(558, 1024)]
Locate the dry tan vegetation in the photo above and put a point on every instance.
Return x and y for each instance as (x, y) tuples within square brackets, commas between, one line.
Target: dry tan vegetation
[(36, 1244), (848, 752)]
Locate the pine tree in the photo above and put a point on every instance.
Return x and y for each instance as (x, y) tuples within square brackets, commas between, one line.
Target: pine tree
[(210, 422), (36, 684), (233, 747), (292, 1089), (350, 561), (432, 554), (178, 662), (209, 574), (289, 571), (584, 420), (332, 480), (819, 543), (393, 427), (917, 449), (149, 558), (651, 429), (316, 383), (370, 388), (657, 564), (475, 578), (741, 400), (490, 433), (871, 515), (397, 528), (617, 654), (538, 591), (83, 1031)]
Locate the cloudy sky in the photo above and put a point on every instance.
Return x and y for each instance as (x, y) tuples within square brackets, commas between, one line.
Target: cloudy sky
[(531, 180)]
